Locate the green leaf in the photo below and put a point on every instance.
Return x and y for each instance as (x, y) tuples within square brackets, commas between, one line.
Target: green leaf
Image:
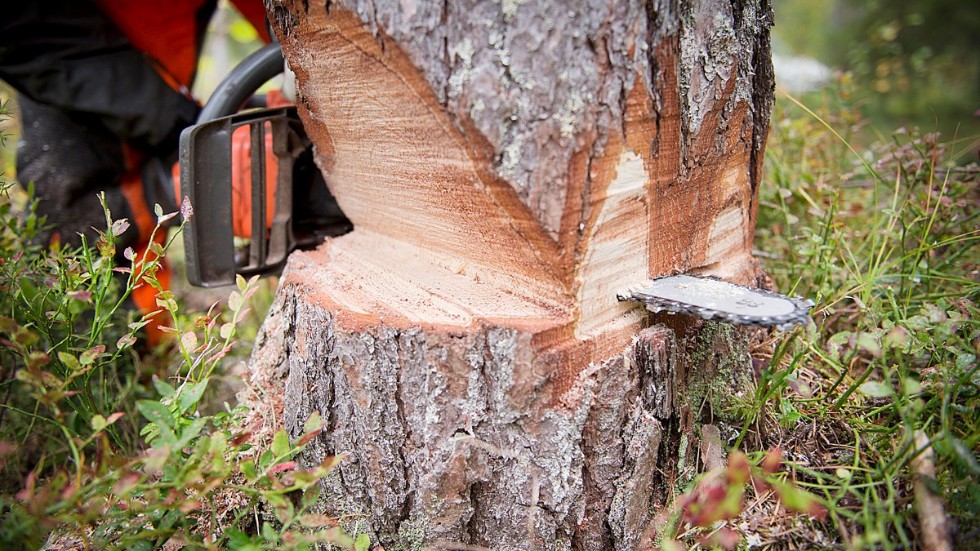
[(51, 381), (154, 459), (219, 443), (70, 361), (305, 479), (29, 377), (235, 301), (240, 282), (125, 341), (7, 325), (918, 323), (98, 423), (37, 359), (156, 413), (960, 454), (934, 312), (876, 389), (248, 469), (240, 541), (280, 444), (310, 497), (25, 337), (897, 337), (277, 500), (169, 304), (266, 459), (837, 344), (869, 343), (362, 543), (190, 432), (269, 533), (163, 387), (313, 423), (191, 395)]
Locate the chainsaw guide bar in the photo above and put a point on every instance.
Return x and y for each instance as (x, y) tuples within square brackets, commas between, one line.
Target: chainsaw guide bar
[(714, 299)]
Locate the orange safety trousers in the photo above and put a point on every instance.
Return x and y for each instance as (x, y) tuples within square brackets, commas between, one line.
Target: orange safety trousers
[(169, 35)]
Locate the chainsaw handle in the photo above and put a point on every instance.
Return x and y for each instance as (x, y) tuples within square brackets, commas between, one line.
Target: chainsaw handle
[(247, 77)]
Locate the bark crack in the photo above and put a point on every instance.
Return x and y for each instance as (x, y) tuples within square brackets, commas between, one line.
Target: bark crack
[(406, 429)]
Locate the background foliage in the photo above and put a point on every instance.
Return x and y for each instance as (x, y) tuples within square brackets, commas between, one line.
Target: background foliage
[(906, 62)]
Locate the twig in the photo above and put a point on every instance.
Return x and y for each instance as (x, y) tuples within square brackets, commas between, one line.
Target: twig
[(928, 506)]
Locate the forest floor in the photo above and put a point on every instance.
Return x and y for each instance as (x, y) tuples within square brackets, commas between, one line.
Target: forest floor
[(874, 404)]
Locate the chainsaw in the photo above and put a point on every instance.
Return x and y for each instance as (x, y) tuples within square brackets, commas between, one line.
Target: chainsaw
[(259, 157), (265, 155)]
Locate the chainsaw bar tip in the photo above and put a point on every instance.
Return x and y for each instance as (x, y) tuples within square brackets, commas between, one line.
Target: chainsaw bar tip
[(714, 299)]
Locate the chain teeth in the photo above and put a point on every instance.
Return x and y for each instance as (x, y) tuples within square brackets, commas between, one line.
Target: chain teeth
[(656, 304)]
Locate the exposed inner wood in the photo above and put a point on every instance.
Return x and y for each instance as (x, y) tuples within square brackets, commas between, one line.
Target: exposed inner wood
[(440, 240), (372, 277)]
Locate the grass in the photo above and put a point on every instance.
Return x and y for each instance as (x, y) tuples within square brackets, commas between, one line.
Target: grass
[(885, 241)]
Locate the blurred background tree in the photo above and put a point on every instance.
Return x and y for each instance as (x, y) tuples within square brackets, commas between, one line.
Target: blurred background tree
[(903, 62)]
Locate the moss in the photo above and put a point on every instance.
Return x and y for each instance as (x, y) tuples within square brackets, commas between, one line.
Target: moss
[(411, 535), (720, 368), (415, 531)]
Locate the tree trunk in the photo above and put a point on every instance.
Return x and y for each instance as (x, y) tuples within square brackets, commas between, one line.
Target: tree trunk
[(508, 167)]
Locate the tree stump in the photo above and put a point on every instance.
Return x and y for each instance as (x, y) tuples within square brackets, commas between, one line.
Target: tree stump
[(508, 167)]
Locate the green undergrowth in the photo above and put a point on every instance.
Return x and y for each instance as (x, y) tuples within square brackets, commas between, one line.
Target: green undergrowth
[(103, 446), (884, 240)]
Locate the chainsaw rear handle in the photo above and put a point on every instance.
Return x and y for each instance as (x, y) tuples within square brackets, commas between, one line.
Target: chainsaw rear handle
[(206, 160)]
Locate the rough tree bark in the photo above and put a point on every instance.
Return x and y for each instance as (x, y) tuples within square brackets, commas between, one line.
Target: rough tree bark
[(508, 167)]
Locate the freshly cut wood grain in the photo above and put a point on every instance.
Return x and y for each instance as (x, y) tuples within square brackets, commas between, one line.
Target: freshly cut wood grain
[(508, 168), (404, 171)]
